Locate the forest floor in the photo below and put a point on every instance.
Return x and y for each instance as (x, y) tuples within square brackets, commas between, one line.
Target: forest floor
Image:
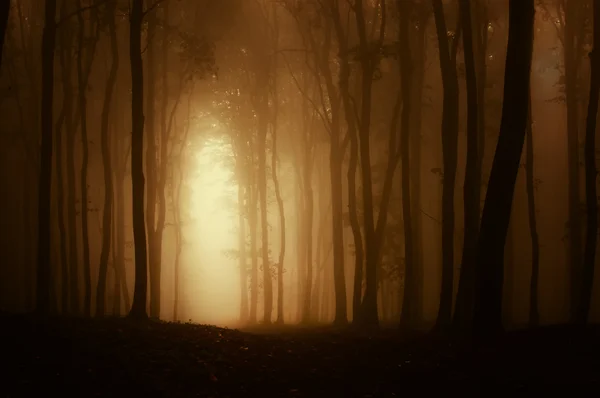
[(116, 357)]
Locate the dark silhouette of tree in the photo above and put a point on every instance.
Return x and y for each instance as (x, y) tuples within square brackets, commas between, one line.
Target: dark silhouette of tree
[(4, 14), (472, 184), (449, 132), (45, 178), (138, 308), (487, 317), (106, 160), (534, 315), (591, 196)]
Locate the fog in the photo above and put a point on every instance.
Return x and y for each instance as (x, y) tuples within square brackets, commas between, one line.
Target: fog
[(300, 159)]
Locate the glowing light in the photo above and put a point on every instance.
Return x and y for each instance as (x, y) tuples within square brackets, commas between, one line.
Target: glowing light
[(212, 279)]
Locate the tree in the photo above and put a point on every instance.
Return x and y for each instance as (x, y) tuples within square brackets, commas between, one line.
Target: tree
[(487, 317), (534, 316), (106, 160), (45, 177), (591, 234), (472, 178), (449, 132), (138, 308), (4, 14)]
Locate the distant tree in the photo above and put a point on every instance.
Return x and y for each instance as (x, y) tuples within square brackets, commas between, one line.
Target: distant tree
[(498, 202)]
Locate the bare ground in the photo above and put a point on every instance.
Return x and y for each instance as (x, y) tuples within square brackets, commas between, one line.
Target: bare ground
[(121, 358)]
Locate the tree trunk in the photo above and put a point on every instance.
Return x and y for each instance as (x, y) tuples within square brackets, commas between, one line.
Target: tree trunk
[(151, 169), (253, 221), (591, 237), (281, 209), (106, 161), (498, 202), (82, 81), (45, 179), (138, 309), (449, 153), (572, 49), (406, 64), (243, 263), (534, 315), (4, 14), (262, 190), (308, 230), (62, 229), (472, 184)]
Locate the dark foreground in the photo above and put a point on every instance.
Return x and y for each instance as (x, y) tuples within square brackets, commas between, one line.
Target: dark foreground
[(113, 358)]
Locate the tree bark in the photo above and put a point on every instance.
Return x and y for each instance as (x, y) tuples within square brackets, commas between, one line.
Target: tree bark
[(498, 202)]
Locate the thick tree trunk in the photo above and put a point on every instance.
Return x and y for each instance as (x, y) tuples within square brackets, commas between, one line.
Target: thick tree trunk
[(591, 238), (472, 184), (449, 153), (308, 231), (45, 179), (106, 161), (534, 314), (138, 309), (498, 202)]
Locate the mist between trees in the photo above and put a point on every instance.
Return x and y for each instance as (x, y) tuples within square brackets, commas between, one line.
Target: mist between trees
[(413, 162)]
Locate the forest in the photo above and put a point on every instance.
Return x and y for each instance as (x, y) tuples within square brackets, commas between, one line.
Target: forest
[(380, 166)]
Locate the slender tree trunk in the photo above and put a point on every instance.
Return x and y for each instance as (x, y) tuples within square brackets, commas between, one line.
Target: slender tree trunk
[(262, 190), (62, 230), (177, 212), (591, 237), (407, 317), (253, 221), (498, 202), (281, 222), (472, 184), (106, 161), (151, 169), (45, 179), (449, 152), (243, 261), (138, 309), (308, 230), (82, 80), (534, 315)]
